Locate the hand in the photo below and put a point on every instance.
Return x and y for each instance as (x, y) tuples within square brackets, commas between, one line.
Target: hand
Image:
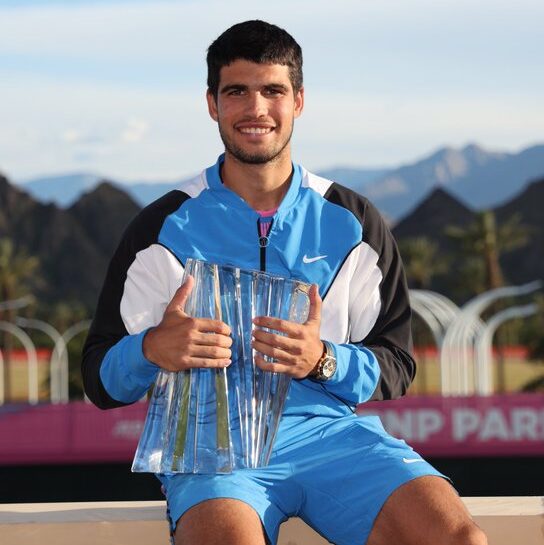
[(180, 342), (297, 353)]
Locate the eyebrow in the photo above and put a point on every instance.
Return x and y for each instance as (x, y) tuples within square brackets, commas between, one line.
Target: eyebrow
[(233, 87), (241, 87), (281, 86)]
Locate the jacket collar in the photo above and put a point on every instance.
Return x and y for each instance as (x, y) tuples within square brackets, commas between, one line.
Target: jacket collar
[(230, 198)]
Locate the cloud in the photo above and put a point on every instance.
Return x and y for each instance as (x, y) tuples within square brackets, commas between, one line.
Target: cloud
[(176, 34), (122, 84), (168, 134), (385, 130), (83, 137), (130, 133), (135, 130), (71, 136)]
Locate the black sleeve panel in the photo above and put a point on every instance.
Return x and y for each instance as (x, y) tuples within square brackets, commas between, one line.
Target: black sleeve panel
[(107, 327), (390, 339)]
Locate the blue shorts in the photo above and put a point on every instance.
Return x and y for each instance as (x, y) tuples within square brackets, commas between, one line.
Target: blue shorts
[(334, 473)]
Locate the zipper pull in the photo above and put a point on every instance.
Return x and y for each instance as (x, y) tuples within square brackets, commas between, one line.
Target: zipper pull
[(263, 230)]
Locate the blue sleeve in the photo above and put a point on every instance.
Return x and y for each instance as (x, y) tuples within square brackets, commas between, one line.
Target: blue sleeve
[(357, 373), (125, 372)]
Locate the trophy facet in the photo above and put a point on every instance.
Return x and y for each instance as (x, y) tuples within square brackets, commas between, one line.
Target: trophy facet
[(216, 420)]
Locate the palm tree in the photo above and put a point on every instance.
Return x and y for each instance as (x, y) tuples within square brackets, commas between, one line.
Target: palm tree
[(421, 262), (17, 270), (484, 242)]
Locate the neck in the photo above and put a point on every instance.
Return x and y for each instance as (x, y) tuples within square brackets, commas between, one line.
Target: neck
[(261, 186)]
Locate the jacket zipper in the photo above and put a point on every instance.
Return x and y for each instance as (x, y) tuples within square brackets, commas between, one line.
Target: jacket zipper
[(263, 242)]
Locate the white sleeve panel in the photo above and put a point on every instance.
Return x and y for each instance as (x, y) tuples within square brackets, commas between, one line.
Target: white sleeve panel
[(317, 183), (334, 312), (353, 302), (364, 298), (152, 279), (195, 186)]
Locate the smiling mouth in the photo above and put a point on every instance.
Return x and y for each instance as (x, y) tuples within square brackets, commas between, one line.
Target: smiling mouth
[(255, 130)]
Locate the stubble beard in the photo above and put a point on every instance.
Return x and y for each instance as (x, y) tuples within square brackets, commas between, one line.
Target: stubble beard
[(262, 158)]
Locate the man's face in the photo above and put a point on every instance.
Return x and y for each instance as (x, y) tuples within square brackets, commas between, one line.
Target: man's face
[(255, 110)]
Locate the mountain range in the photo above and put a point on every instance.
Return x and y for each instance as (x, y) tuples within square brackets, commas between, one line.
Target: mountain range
[(74, 244), (477, 177)]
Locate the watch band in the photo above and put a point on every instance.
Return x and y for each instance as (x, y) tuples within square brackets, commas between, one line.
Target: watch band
[(326, 366)]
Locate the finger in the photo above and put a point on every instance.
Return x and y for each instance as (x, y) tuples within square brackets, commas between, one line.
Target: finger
[(214, 339), (208, 363), (276, 367), (273, 352), (280, 341), (314, 314), (207, 325), (182, 294), (289, 328), (209, 352)]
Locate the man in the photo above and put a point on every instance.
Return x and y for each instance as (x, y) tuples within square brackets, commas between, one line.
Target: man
[(342, 474)]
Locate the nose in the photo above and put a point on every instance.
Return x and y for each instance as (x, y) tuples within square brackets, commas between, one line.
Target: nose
[(257, 105)]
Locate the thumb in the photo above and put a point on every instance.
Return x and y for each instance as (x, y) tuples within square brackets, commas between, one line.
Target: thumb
[(314, 314), (179, 300)]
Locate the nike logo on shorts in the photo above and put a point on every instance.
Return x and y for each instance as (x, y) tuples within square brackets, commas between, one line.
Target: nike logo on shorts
[(307, 259)]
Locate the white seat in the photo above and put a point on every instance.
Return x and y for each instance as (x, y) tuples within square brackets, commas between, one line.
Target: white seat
[(506, 520)]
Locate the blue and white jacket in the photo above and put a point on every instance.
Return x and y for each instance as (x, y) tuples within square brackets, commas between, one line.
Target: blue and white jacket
[(365, 314)]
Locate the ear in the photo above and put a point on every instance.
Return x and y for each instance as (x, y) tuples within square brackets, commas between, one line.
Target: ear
[(212, 105), (299, 102)]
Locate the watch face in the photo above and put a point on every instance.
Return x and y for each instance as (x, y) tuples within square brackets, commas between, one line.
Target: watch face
[(328, 368)]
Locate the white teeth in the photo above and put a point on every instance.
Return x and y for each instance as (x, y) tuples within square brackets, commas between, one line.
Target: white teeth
[(255, 130)]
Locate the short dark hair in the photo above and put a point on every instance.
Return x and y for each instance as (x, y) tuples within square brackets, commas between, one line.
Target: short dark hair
[(255, 41)]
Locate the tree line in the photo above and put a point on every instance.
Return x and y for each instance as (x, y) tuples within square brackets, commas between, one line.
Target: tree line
[(471, 268)]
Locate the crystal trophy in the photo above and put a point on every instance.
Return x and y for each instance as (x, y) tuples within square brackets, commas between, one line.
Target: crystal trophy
[(216, 420)]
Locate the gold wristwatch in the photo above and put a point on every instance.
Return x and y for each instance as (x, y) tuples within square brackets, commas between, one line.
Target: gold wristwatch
[(326, 366)]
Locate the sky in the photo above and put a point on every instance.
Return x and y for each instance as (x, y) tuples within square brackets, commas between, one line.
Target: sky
[(117, 87)]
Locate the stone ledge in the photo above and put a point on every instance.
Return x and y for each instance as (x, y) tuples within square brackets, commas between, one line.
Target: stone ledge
[(506, 520)]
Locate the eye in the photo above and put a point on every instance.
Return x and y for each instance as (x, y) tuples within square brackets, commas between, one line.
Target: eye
[(235, 91), (273, 92)]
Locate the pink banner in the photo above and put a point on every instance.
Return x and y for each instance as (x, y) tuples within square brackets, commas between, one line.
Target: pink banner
[(71, 433), (469, 426), (499, 425)]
